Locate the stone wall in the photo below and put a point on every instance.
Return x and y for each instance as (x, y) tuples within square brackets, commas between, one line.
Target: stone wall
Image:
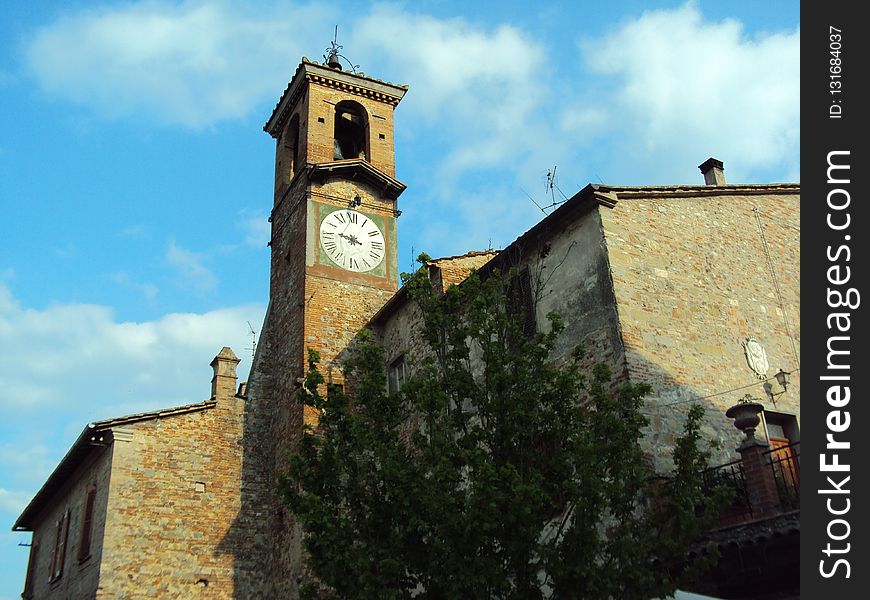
[(692, 282), (664, 287), (174, 497)]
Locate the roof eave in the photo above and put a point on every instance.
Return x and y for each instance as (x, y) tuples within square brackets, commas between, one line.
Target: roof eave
[(36, 504)]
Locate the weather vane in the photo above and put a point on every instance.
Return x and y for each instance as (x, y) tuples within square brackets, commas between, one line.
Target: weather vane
[(333, 56)]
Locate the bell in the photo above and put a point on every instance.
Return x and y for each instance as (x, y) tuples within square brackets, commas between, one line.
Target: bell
[(332, 60)]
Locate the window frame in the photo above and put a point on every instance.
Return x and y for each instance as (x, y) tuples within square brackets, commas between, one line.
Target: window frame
[(58, 554), (397, 374), (86, 538)]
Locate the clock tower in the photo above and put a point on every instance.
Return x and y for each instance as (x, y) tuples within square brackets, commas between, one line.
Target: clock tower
[(333, 266), (334, 256)]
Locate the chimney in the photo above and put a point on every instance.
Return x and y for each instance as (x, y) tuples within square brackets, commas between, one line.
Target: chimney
[(223, 384), (714, 171)]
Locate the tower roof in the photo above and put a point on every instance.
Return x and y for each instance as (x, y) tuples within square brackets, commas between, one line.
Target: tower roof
[(353, 83)]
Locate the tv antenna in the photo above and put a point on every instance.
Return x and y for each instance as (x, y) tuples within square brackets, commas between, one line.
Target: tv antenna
[(253, 339), (551, 188)]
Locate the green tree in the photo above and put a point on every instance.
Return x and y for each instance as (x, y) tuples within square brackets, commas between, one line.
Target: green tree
[(493, 473)]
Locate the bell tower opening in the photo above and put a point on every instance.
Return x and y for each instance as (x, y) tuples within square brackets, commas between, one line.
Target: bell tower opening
[(287, 162), (351, 131)]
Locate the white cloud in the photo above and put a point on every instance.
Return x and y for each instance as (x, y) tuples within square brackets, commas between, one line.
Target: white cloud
[(190, 267), (480, 85), (256, 228), (687, 88), (13, 501), (77, 359), (148, 290), (190, 63), (28, 463)]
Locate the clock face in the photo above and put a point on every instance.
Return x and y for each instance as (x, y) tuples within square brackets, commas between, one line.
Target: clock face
[(352, 240)]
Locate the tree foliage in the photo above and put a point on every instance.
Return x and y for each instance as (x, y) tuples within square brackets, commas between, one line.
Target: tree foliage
[(492, 473)]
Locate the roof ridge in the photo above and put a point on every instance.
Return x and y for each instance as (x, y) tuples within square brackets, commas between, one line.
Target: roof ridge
[(469, 254), (152, 414)]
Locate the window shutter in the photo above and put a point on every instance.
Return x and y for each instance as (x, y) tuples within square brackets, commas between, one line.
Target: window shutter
[(88, 524), (57, 557), (521, 301)]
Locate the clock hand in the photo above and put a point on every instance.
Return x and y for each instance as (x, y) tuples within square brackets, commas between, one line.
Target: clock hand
[(351, 239)]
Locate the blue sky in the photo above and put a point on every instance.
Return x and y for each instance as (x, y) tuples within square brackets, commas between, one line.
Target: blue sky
[(135, 178)]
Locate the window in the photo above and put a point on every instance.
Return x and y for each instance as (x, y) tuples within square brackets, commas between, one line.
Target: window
[(332, 389), (351, 131), (396, 375), (288, 161), (781, 429), (783, 436), (87, 524), (58, 553)]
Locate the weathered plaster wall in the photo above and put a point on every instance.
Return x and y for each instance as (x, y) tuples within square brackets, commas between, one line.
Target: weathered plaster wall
[(80, 578)]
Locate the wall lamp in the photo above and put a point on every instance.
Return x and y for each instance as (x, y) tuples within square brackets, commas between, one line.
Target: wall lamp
[(782, 379)]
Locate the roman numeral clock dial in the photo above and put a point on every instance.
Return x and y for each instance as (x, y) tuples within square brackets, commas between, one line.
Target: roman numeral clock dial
[(352, 240)]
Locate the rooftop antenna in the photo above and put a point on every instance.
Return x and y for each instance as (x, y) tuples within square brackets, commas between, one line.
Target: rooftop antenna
[(253, 339), (529, 196), (333, 57), (553, 187)]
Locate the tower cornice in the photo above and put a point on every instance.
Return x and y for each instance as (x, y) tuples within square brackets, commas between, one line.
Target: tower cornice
[(357, 169)]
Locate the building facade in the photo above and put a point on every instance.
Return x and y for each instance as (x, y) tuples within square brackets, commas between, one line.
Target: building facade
[(142, 506), (693, 289), (667, 285)]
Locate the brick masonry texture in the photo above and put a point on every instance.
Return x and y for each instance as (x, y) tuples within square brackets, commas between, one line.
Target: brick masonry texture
[(174, 498), (313, 305), (167, 502)]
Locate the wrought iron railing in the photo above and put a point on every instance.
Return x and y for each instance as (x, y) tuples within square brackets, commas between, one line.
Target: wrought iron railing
[(732, 476), (785, 463)]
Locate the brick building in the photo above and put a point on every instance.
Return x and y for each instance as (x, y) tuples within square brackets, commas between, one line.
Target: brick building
[(142, 505), (693, 289)]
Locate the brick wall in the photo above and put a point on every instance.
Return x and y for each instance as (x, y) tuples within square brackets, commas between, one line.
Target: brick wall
[(313, 304), (174, 498)]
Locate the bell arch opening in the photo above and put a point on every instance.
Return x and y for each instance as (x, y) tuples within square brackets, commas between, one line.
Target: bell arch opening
[(288, 163), (351, 131)]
